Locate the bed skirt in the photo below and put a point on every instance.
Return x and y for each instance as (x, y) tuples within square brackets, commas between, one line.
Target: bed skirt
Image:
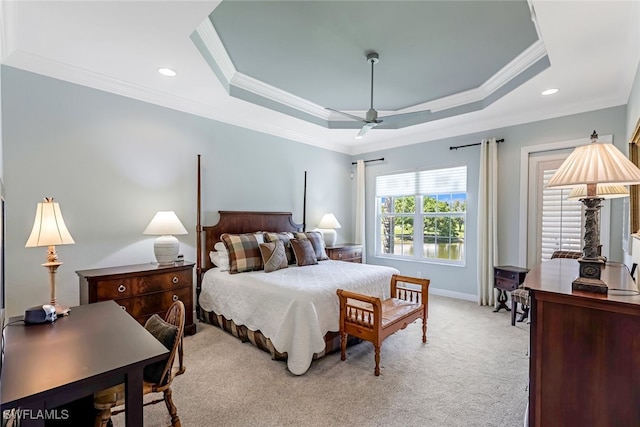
[(244, 334)]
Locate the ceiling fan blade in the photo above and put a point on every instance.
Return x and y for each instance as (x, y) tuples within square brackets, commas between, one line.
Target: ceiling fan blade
[(365, 129), (405, 116), (351, 116)]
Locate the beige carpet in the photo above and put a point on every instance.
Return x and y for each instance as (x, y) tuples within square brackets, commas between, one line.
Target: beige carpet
[(473, 371)]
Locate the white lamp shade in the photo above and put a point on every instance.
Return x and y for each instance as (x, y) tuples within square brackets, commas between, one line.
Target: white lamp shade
[(602, 192), (165, 223), (49, 228), (595, 164), (329, 220), (166, 247)]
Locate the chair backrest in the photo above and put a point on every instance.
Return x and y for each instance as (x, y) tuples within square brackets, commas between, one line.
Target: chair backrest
[(175, 316), (566, 254)]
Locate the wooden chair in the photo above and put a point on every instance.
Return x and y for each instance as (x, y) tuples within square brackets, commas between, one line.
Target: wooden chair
[(521, 295), (105, 400), (371, 319)]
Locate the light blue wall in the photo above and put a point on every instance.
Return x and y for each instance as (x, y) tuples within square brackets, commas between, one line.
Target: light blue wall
[(112, 162), (461, 281)]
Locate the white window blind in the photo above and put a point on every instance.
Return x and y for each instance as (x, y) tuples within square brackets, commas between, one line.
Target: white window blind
[(561, 220), (435, 181)]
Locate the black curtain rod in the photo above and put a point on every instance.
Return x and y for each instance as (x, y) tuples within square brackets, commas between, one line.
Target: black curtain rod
[(372, 160), (471, 145)]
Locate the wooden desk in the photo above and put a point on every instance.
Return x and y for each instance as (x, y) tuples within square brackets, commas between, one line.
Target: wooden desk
[(95, 347), (584, 367)]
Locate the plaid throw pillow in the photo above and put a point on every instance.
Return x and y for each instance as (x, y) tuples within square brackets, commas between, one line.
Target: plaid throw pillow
[(244, 252), (317, 241)]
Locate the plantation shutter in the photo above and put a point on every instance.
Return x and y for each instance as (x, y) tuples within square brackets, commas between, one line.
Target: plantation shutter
[(561, 220)]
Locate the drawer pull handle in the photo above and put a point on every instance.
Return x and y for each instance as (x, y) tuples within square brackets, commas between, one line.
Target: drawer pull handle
[(123, 307), (340, 255), (122, 288), (175, 298), (174, 280)]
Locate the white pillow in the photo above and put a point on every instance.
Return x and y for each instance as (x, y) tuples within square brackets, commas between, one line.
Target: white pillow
[(219, 246), (220, 259)]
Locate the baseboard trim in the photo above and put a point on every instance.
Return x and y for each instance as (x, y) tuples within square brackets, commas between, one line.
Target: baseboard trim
[(452, 294)]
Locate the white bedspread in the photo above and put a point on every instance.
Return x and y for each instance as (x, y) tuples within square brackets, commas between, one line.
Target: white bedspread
[(294, 307)]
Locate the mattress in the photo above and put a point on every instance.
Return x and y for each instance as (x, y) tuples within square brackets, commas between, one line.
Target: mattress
[(294, 307)]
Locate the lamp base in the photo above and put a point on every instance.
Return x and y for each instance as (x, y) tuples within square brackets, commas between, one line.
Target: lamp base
[(61, 310), (166, 249), (589, 279), (330, 236)]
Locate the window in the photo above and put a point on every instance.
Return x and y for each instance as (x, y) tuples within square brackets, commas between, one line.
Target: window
[(422, 214), (561, 220)]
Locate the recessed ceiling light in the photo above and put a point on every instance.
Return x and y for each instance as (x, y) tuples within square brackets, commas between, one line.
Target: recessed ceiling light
[(549, 91), (167, 72)]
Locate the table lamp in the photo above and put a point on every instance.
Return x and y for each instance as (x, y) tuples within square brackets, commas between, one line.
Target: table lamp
[(588, 166), (49, 230), (166, 247), (327, 226)]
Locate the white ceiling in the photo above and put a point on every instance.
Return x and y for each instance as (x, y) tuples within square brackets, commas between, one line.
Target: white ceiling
[(117, 46)]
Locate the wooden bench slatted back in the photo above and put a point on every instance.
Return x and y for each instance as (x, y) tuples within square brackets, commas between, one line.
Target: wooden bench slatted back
[(372, 319)]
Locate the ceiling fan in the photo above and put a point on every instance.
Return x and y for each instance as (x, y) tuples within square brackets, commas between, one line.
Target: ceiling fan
[(371, 119)]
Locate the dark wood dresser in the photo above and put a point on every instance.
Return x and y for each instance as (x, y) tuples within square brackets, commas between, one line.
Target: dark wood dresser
[(142, 290), (347, 252), (584, 367)]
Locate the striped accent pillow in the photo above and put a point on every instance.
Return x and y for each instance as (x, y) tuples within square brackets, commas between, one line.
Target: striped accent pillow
[(244, 252), (273, 256), (283, 236), (317, 241)]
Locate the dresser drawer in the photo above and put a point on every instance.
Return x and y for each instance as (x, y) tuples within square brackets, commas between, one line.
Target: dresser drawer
[(506, 284), (125, 287), (158, 302), (506, 274), (345, 253)]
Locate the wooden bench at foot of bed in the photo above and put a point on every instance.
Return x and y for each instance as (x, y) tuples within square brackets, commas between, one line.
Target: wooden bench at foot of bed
[(372, 319)]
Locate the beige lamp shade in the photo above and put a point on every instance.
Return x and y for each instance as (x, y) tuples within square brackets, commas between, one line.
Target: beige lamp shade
[(602, 192), (49, 228), (166, 247), (329, 220), (165, 223), (595, 163)]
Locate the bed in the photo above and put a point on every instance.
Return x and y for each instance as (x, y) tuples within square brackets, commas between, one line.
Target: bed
[(293, 313)]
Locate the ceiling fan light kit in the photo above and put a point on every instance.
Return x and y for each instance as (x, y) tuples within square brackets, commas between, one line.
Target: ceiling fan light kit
[(371, 119)]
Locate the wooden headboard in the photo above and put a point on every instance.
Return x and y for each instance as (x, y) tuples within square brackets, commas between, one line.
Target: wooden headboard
[(237, 222)]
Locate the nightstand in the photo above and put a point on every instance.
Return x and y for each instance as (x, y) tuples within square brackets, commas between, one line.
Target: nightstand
[(141, 290), (346, 252), (507, 278)]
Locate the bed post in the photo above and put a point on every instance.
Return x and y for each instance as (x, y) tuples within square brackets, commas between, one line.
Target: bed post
[(304, 204), (198, 247)]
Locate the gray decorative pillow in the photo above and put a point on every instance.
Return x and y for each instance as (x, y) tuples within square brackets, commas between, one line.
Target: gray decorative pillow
[(317, 241), (303, 250), (285, 236), (274, 256), (167, 334)]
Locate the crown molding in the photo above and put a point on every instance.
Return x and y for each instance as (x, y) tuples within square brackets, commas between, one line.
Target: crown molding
[(61, 71), (8, 24), (268, 94)]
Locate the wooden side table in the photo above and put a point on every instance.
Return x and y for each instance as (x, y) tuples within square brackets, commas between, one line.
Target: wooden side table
[(349, 252), (507, 278)]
